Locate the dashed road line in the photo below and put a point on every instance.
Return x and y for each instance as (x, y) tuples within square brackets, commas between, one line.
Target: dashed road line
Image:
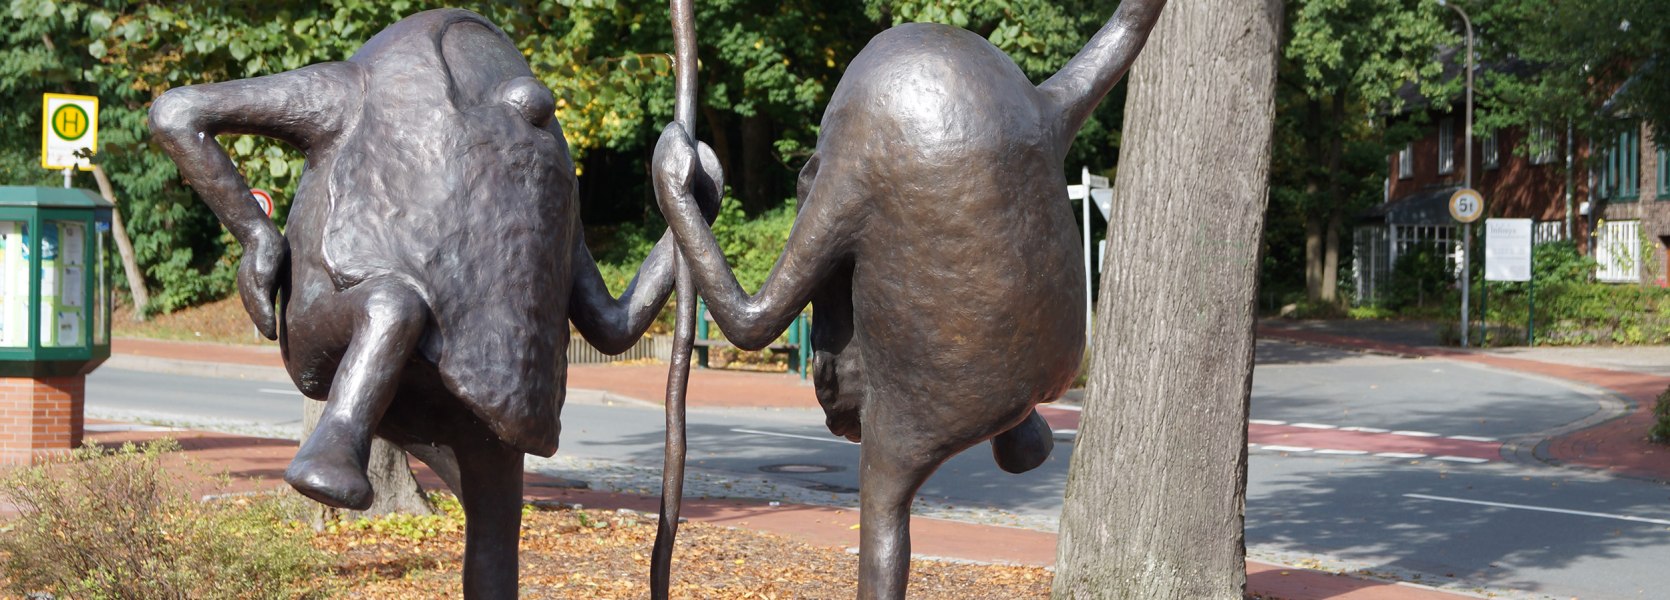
[(1342, 452), (1473, 438), (1424, 434), (1399, 455), (1266, 422), (1288, 449), (834, 440), (1365, 429), (1315, 426)]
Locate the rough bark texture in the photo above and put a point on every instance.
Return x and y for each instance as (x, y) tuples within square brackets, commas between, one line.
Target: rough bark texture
[(1156, 493), (397, 490), (130, 265)]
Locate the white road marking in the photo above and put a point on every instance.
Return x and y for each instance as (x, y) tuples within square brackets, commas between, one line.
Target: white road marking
[(1266, 422), (1581, 513), (1399, 455), (1062, 407), (1287, 448), (835, 440), (1462, 459), (111, 427), (1472, 438), (1415, 433), (1365, 429), (1343, 452), (280, 392), (1314, 426)]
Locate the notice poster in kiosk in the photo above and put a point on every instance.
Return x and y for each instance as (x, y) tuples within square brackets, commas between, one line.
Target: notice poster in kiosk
[(14, 284), (63, 283)]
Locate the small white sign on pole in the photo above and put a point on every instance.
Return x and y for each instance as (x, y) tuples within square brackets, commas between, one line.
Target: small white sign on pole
[(68, 123), (1507, 250)]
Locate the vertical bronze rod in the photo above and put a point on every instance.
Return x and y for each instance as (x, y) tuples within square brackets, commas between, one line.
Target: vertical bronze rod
[(678, 373)]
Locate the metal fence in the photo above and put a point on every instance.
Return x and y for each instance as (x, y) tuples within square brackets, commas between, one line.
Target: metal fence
[(659, 347)]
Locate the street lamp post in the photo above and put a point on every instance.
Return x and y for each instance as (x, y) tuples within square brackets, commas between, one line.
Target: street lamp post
[(1467, 178)]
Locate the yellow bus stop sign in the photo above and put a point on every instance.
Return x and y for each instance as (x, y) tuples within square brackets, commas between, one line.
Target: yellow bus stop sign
[(68, 123)]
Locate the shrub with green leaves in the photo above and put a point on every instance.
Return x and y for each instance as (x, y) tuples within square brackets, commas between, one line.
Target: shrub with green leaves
[(1660, 433), (115, 523)]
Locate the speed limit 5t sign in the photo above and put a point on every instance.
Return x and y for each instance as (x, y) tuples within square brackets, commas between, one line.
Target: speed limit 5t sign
[(1466, 205)]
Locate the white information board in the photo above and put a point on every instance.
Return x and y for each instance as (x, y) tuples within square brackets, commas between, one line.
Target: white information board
[(1507, 250)]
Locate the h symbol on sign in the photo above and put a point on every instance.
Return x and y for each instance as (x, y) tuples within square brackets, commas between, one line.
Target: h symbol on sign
[(71, 120)]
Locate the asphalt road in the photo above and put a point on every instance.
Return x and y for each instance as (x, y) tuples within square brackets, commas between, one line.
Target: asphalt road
[(1510, 527)]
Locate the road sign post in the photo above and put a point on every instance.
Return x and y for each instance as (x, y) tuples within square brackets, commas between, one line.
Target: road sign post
[(69, 124), (1466, 206)]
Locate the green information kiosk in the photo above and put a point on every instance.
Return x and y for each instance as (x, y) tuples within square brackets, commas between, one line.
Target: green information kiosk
[(54, 315)]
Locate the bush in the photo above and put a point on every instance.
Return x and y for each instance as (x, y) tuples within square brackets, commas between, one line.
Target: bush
[(99, 524), (1660, 432)]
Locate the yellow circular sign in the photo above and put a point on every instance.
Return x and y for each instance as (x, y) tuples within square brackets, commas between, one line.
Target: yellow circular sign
[(1466, 205), (70, 122)]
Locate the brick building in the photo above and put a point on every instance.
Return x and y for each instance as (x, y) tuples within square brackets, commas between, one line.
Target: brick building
[(1603, 193)]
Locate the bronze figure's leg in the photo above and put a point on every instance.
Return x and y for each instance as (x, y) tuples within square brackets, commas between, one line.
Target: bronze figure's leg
[(492, 501), (888, 480), (330, 466)]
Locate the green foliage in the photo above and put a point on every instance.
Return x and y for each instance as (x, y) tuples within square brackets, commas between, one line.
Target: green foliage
[(768, 69), (116, 524), (752, 245), (1583, 54), (1571, 308), (1420, 279), (1340, 67), (1660, 433)]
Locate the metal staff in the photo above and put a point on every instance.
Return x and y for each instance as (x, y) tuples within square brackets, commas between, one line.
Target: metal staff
[(678, 373)]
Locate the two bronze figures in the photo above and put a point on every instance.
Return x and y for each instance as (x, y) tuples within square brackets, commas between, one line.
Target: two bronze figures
[(434, 256)]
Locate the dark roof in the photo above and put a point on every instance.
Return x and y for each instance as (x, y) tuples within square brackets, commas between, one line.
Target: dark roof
[(1430, 206)]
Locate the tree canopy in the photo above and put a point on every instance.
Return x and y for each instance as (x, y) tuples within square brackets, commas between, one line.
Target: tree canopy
[(768, 69)]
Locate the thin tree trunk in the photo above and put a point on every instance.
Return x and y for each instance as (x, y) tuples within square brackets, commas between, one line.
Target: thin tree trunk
[(1330, 259), (1156, 493), (397, 490), (1313, 258), (124, 247)]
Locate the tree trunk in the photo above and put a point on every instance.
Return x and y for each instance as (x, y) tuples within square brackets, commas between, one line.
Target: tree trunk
[(1314, 244), (397, 491), (1157, 488), (124, 247), (758, 163), (1330, 259)]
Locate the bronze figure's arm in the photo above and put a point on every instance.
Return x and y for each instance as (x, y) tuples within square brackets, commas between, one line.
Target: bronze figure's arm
[(308, 108), (612, 325), (1080, 85)]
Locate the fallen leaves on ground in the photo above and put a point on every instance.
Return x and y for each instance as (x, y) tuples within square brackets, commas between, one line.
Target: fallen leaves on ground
[(591, 554)]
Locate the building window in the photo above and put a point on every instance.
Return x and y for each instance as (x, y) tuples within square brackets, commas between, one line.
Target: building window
[(1493, 150), (1542, 145), (1544, 232), (1446, 146), (1618, 251), (1406, 161), (1620, 167)]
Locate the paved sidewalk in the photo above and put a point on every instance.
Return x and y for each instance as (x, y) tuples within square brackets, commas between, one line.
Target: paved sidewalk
[(258, 464), (1618, 445)]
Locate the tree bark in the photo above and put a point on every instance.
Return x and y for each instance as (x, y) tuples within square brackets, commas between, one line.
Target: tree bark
[(397, 490), (124, 247), (1313, 258), (1156, 492), (1330, 258)]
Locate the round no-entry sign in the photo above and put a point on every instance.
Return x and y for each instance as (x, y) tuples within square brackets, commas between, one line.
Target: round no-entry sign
[(1466, 205), (264, 199)]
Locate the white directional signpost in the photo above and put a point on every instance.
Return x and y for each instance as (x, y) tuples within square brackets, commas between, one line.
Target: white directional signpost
[(68, 124), (1095, 188), (1507, 257)]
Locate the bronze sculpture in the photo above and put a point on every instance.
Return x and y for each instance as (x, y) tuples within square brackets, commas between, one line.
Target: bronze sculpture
[(432, 258), (939, 261)]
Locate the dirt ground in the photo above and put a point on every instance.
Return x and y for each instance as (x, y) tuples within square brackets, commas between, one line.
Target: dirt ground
[(589, 554)]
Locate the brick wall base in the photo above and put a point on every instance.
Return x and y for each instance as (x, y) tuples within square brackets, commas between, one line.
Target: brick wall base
[(40, 417)]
